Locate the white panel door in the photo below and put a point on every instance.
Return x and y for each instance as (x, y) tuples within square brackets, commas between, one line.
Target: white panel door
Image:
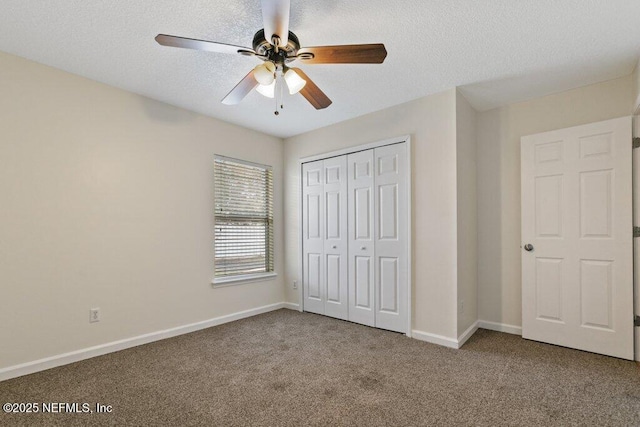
[(577, 255), (361, 237), (336, 239), (391, 236), (313, 265)]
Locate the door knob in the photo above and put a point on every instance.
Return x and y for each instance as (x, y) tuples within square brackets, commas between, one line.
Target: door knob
[(528, 247), (334, 247), (363, 248)]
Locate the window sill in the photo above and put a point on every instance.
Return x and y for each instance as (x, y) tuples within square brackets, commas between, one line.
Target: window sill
[(237, 280)]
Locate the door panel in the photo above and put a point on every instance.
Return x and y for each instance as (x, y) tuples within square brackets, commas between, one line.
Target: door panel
[(595, 204), (313, 237), (361, 241), (549, 206), (314, 277), (363, 282), (596, 145), (363, 213), (314, 215), (549, 289), (388, 196), (391, 237), (389, 285), (333, 278), (336, 239), (333, 214), (595, 292), (577, 282)]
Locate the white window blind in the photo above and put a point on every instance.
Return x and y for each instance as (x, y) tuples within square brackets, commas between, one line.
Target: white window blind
[(243, 218)]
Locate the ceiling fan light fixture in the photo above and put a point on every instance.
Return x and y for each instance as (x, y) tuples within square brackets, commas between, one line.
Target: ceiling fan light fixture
[(265, 73), (295, 83), (267, 90), (277, 46)]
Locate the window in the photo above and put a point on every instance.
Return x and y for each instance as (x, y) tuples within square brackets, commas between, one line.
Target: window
[(243, 219)]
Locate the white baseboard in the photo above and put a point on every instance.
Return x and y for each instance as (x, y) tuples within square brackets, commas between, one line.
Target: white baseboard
[(467, 334), (292, 306), (434, 339), (445, 341), (453, 343), (99, 350), (500, 327)]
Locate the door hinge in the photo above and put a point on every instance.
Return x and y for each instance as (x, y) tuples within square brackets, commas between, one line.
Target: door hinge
[(636, 231), (636, 321), (636, 143)]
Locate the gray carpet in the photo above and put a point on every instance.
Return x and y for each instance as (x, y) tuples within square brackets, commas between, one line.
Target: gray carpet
[(290, 369)]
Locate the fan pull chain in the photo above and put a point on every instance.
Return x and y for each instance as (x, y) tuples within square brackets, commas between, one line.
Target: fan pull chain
[(279, 94), (276, 93), (281, 91), (275, 41)]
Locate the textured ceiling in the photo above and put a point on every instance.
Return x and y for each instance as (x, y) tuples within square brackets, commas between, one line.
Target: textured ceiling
[(498, 51)]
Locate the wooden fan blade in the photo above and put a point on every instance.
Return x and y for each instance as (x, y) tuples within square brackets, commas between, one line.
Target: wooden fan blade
[(275, 17), (175, 41), (312, 93), (345, 54), (242, 89)]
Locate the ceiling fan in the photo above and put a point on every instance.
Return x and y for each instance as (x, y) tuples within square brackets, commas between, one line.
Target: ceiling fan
[(278, 47)]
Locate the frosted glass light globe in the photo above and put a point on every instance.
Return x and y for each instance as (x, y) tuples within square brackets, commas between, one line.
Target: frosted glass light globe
[(295, 83), (265, 73), (267, 90)]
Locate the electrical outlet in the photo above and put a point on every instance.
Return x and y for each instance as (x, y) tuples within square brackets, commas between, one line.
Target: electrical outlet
[(94, 315), (295, 284)]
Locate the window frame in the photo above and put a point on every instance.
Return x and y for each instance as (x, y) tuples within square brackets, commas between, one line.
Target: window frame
[(221, 281)]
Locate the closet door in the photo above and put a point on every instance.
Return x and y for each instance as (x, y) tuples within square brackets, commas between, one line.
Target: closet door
[(313, 236), (391, 237), (361, 237), (335, 242)]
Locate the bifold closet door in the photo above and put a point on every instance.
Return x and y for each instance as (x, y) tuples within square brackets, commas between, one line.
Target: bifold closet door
[(335, 239), (391, 237), (313, 236), (325, 237), (355, 234), (361, 237)]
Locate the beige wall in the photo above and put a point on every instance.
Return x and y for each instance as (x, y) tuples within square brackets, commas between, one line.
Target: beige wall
[(106, 201), (431, 122), (467, 288), (499, 132)]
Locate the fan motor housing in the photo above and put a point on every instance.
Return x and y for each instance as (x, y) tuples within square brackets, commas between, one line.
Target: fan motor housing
[(264, 47)]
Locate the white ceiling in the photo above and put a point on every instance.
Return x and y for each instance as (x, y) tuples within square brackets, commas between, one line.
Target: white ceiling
[(498, 51)]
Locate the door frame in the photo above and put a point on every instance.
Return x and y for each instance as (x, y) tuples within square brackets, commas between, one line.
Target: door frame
[(405, 139), (635, 188)]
